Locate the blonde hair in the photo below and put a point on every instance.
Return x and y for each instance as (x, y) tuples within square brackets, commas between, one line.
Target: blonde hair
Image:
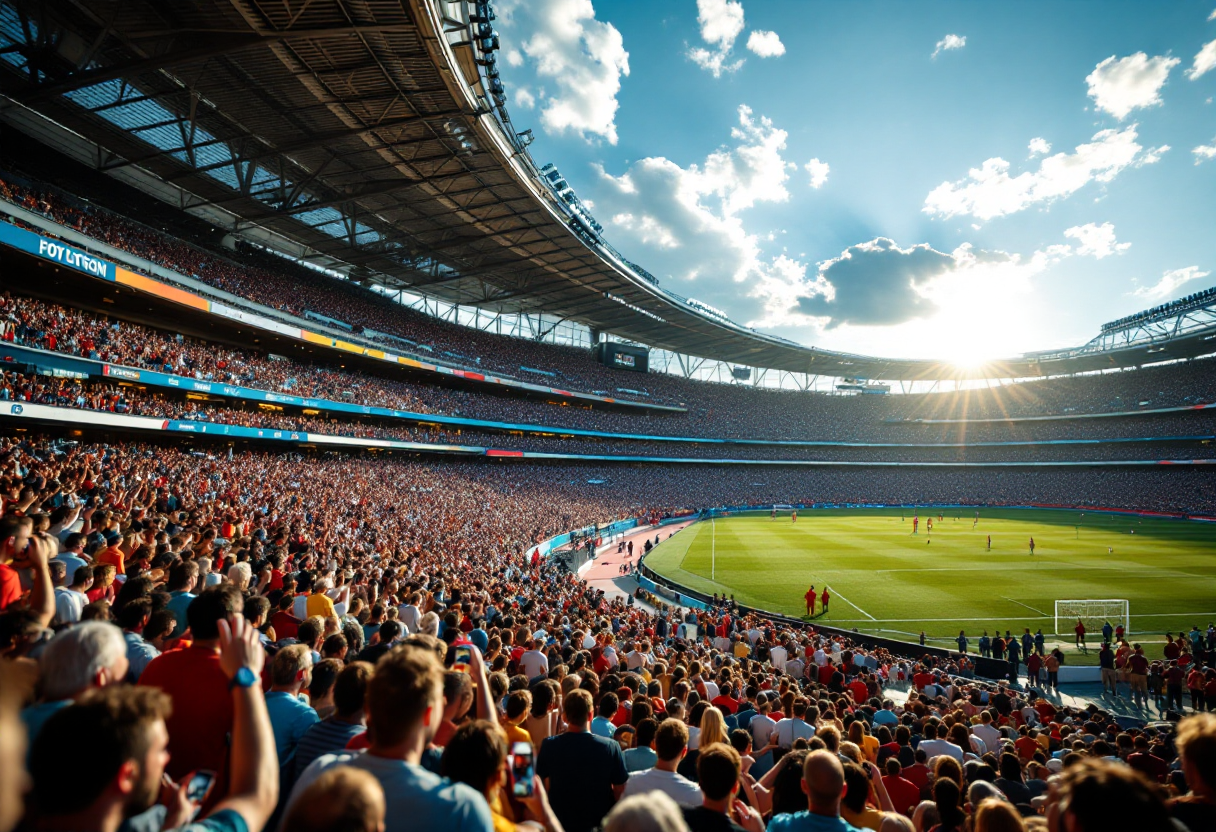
[(713, 728), (996, 815)]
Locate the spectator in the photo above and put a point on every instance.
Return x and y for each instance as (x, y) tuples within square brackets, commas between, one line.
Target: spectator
[(995, 815), (404, 704), (195, 680), (824, 784), (671, 745), (343, 799), (125, 730), (642, 756), (331, 735), (87, 656), (477, 756), (1196, 742), (290, 715), (584, 773), (655, 812), (1096, 796), (133, 617), (718, 769)]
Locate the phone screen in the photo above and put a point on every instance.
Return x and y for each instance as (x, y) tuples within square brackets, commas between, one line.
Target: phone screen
[(199, 785), (521, 769), (462, 658)]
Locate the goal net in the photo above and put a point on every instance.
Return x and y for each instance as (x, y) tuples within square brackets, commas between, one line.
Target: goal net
[(1093, 614), (782, 509)]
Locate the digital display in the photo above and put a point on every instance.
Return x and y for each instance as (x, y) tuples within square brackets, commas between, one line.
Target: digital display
[(624, 360), (624, 356)]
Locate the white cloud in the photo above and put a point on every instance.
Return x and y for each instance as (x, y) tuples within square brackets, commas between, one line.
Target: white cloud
[(1212, 16), (685, 223), (1039, 146), (818, 171), (1120, 85), (1152, 155), (950, 42), (1205, 60), (524, 98), (721, 23), (1204, 152), (1168, 285), (765, 44), (584, 59), (989, 191), (514, 57), (1097, 241)]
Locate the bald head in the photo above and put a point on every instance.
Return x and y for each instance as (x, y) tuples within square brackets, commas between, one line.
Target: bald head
[(823, 777)]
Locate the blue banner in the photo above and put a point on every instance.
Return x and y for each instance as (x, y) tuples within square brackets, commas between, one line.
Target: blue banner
[(57, 251)]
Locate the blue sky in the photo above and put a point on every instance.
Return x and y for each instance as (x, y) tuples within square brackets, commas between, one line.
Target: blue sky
[(946, 180)]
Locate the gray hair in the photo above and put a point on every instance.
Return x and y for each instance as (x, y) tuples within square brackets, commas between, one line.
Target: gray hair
[(981, 790), (651, 812), (240, 574), (74, 657), (429, 624)]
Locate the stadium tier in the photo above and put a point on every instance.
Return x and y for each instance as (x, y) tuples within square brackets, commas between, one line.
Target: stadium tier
[(285, 546)]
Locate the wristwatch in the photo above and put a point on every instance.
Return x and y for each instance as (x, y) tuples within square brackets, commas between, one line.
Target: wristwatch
[(244, 678)]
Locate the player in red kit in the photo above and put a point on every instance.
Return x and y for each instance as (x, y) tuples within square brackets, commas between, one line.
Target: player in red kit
[(823, 600), (810, 600)]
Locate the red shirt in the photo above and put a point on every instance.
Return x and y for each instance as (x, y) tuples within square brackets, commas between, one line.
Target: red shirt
[(1149, 765), (10, 586), (202, 711), (285, 625), (904, 794), (860, 691), (726, 703), (918, 775)]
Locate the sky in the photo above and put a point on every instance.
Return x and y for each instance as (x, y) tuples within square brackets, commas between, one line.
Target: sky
[(951, 180)]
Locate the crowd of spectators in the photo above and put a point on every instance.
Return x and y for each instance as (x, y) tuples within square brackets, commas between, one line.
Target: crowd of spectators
[(127, 398), (753, 414), (279, 284), (262, 641)]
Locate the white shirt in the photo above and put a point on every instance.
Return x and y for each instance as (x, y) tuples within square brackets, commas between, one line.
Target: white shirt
[(711, 690), (989, 736), (679, 788), (936, 748), (762, 728), (69, 605), (821, 658), (778, 655), (795, 667), (533, 663), (409, 615)]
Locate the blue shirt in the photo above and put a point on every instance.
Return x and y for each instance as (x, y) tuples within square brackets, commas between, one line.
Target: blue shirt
[(329, 736), (414, 797), (35, 716), (602, 727), (139, 653), (179, 600), (290, 717), (806, 822)]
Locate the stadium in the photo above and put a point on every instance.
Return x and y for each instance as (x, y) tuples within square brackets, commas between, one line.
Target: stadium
[(355, 471)]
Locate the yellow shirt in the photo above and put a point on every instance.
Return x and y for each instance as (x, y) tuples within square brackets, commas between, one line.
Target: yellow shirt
[(320, 604), (515, 734), (867, 818)]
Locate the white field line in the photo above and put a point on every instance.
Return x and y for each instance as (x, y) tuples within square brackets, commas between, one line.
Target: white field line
[(1001, 617), (1027, 606), (851, 604)]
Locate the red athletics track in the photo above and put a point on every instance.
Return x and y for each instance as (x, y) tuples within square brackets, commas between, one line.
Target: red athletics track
[(607, 566)]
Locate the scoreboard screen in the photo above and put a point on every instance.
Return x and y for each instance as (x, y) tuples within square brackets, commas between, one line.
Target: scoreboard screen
[(624, 356)]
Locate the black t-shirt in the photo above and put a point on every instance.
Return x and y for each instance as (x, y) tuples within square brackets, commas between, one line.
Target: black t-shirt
[(701, 819), (581, 768), (1195, 816)]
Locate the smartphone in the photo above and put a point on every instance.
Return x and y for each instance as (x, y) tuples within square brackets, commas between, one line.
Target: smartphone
[(522, 769), (462, 657), (199, 784)]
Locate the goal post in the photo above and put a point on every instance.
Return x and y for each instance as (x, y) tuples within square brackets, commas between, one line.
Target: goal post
[(1093, 614)]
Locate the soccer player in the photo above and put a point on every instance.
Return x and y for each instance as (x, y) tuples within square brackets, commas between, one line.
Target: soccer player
[(823, 600), (989, 543), (774, 517), (794, 516), (810, 601), (915, 523), (1032, 547), (1080, 633)]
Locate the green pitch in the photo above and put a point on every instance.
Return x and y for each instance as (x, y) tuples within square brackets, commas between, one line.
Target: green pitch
[(883, 578)]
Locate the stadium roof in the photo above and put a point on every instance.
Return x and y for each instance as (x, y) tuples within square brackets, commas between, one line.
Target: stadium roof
[(374, 133)]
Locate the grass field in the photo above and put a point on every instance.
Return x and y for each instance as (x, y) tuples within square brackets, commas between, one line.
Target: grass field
[(883, 579)]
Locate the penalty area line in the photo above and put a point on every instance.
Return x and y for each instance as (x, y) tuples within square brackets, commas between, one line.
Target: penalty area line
[(1027, 606), (851, 604)]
